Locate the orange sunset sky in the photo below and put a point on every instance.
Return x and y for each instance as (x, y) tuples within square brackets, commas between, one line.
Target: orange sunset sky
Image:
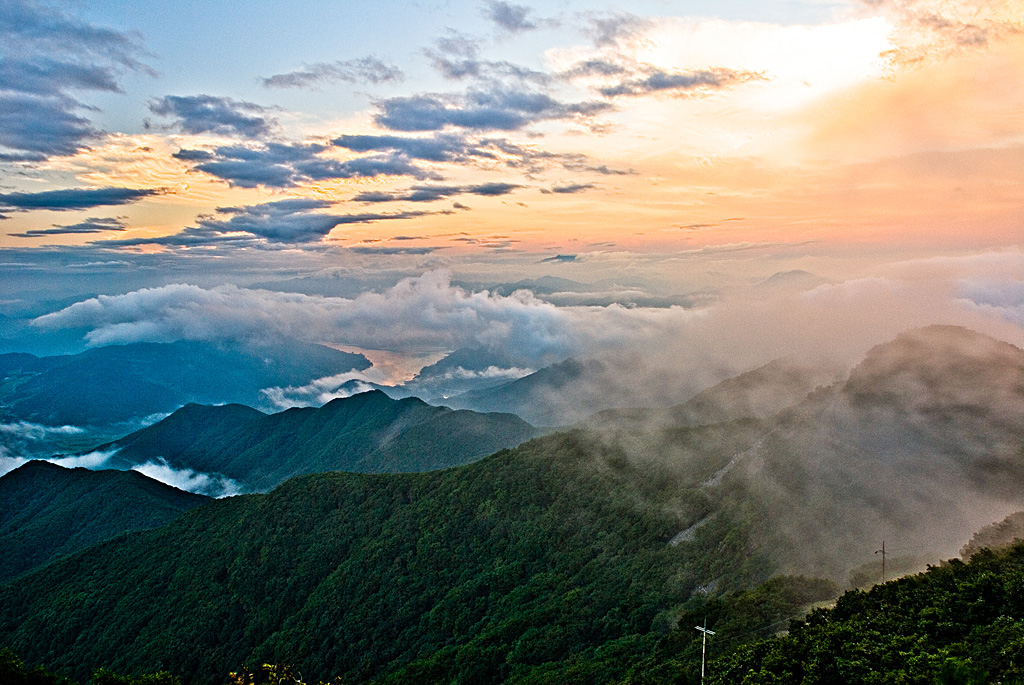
[(667, 160)]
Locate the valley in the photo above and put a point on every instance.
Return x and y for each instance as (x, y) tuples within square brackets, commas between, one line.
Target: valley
[(577, 552)]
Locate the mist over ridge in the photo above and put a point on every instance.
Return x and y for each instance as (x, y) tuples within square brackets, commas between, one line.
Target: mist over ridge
[(716, 494), (918, 445), (514, 349), (367, 432)]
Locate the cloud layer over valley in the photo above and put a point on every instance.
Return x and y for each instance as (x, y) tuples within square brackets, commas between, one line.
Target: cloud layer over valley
[(651, 355), (213, 485)]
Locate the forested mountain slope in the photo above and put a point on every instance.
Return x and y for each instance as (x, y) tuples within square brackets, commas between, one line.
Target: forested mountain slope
[(48, 511), (121, 382), (365, 433), (477, 574), (957, 623), (920, 446), (566, 559)]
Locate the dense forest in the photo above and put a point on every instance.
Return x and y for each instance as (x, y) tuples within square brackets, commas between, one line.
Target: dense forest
[(365, 433), (47, 511), (515, 565), (958, 622), (585, 556)]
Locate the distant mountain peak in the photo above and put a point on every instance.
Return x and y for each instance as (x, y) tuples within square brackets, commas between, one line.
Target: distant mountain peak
[(793, 278), (366, 432), (116, 383), (938, 364), (791, 275), (35, 466)]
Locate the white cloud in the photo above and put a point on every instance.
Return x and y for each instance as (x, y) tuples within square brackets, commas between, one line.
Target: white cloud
[(424, 312), (7, 462), (322, 390), (36, 432), (92, 460), (1004, 299), (495, 372), (213, 485), (656, 354), (186, 479)]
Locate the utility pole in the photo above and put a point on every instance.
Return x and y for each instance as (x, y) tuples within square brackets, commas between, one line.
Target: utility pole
[(704, 647), (882, 552)]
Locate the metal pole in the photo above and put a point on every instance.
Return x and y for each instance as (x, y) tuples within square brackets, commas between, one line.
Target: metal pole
[(882, 552), (704, 646)]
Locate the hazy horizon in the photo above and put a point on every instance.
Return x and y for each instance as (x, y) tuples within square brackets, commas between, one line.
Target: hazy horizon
[(692, 187)]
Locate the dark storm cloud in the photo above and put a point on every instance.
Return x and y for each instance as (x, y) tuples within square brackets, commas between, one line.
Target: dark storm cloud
[(42, 126), (46, 76), (372, 196), (90, 225), (658, 81), (456, 56), (21, 156), (570, 189), (510, 17), (292, 221), (362, 70), (283, 165), (491, 189), (594, 67), (211, 114), (381, 165), (463, 148), (32, 26), (194, 155), (429, 193), (473, 68), (74, 198), (393, 250), (498, 108), (437, 148), (44, 57)]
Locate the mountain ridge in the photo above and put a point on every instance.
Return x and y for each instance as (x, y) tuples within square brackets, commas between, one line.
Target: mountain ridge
[(392, 569), (48, 511), (526, 564), (367, 432), (117, 383)]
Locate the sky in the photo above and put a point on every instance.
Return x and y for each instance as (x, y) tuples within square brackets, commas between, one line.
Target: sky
[(744, 179)]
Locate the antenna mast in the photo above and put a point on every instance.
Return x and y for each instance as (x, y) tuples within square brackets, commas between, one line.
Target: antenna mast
[(704, 647)]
